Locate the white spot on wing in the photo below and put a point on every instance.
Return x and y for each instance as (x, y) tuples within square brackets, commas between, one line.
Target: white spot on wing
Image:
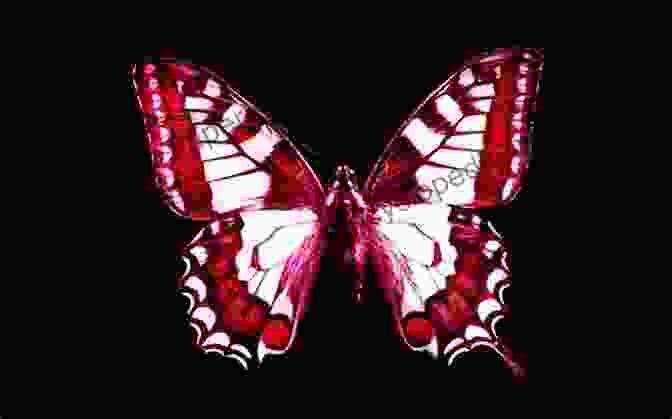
[(212, 89), (486, 307), (454, 158), (283, 305), (197, 103), (164, 134), (410, 242), (467, 77), (425, 214), (434, 179), (166, 177), (449, 109), (515, 165), (219, 338), (432, 220), (282, 244), (263, 350), (422, 137), (206, 315), (452, 345), (483, 105), (164, 155), (261, 145), (410, 301), (494, 278), (269, 284), (200, 253), (209, 132), (483, 90), (239, 191), (475, 332), (492, 245), (217, 169), (471, 141), (197, 285), (522, 85), (198, 116), (472, 123)]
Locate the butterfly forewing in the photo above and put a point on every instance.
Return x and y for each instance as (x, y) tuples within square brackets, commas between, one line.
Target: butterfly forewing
[(213, 152), (467, 144)]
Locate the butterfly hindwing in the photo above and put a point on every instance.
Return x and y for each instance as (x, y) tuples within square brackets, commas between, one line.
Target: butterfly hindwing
[(248, 279), (444, 271)]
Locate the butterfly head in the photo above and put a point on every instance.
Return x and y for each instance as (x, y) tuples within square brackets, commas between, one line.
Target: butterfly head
[(343, 192), (344, 179)]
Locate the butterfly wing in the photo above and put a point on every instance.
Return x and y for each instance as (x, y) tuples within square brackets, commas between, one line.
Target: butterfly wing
[(217, 158), (468, 143), (442, 267), (444, 271)]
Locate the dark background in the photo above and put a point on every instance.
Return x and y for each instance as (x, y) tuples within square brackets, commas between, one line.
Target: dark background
[(344, 101)]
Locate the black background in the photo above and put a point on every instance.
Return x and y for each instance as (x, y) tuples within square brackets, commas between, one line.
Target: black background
[(343, 100)]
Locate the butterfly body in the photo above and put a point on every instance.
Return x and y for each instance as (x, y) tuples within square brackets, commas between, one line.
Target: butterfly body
[(347, 214), (414, 222)]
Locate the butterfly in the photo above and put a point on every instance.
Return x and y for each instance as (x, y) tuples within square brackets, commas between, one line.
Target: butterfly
[(217, 158)]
